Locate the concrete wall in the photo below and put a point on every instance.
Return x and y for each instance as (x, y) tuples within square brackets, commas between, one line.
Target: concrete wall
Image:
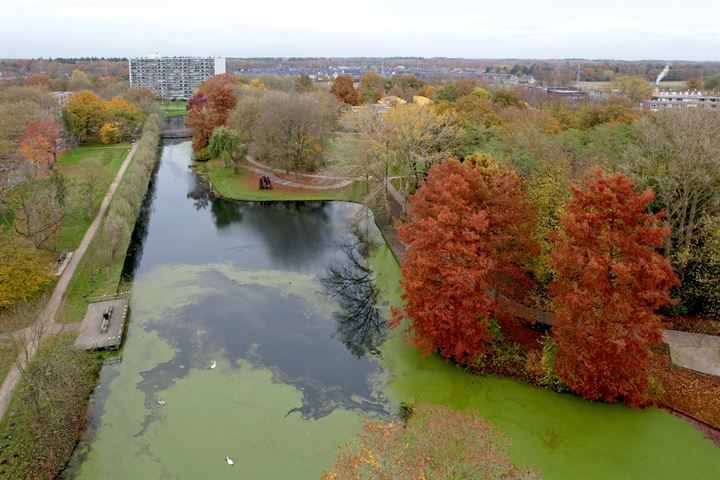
[(694, 351)]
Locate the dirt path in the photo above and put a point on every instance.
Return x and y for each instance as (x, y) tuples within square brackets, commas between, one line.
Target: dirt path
[(47, 317), (261, 169)]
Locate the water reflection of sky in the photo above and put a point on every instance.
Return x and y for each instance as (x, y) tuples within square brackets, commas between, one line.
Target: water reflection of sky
[(186, 225), (328, 353)]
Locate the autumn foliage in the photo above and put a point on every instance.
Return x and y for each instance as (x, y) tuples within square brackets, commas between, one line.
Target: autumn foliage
[(609, 281), (469, 239), (39, 142), (85, 114), (438, 442), (22, 269), (344, 90), (210, 107)]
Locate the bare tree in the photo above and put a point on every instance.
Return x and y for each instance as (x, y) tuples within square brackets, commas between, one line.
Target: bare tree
[(291, 131), (42, 207), (368, 159), (679, 157), (88, 190), (26, 340)]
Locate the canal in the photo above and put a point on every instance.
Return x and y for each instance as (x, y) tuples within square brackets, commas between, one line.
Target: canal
[(258, 333)]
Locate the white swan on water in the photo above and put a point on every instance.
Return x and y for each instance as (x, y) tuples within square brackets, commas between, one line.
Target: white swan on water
[(229, 461)]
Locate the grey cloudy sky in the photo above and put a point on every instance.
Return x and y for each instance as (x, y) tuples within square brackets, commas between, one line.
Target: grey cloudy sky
[(632, 29)]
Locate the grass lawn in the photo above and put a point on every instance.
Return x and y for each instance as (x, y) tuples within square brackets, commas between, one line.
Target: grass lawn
[(96, 274), (93, 278), (174, 109), (101, 161), (9, 351), (88, 278), (341, 146), (244, 186)]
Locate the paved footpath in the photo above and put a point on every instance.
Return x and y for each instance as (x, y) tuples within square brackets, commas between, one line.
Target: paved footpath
[(262, 169), (47, 317)]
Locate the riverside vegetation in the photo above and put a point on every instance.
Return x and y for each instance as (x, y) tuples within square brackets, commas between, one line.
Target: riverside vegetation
[(49, 408)]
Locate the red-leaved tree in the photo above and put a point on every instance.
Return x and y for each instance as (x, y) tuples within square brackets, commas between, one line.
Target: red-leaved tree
[(469, 238), (210, 107), (609, 281), (39, 143)]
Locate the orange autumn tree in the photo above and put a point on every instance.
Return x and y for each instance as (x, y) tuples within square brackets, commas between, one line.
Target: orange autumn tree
[(609, 281), (469, 238), (210, 107), (39, 143)]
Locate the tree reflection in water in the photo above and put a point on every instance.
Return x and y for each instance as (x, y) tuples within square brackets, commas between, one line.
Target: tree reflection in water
[(360, 323)]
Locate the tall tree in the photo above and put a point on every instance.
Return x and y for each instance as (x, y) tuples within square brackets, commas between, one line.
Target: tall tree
[(40, 143), (415, 138), (678, 156), (609, 281), (290, 132), (42, 207), (84, 114), (469, 239), (368, 159), (303, 83), (22, 270), (344, 90), (371, 87), (128, 116), (210, 106)]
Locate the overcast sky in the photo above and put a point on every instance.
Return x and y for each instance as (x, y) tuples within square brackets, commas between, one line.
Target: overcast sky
[(630, 29)]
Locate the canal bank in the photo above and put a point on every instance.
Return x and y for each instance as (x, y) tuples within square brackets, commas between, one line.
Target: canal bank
[(244, 287)]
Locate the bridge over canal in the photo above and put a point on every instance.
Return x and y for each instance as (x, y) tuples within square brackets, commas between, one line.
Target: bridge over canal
[(175, 127)]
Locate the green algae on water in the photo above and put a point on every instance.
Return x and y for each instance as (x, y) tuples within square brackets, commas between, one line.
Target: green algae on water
[(560, 435)]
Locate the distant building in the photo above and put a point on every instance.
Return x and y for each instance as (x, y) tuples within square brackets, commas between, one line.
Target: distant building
[(507, 78), (572, 93), (173, 77), (61, 98), (690, 99)]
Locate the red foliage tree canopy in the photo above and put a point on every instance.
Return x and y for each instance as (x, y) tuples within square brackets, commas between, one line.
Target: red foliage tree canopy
[(210, 107), (609, 282), (468, 234), (39, 142)]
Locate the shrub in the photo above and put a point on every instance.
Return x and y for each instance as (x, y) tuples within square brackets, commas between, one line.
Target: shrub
[(547, 362), (201, 155), (437, 442)]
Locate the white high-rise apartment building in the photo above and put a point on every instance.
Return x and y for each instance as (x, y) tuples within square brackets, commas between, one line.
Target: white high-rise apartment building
[(173, 77)]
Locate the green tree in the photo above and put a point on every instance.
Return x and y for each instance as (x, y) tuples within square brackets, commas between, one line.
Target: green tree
[(508, 98), (370, 87), (635, 88), (227, 145), (303, 83), (712, 83)]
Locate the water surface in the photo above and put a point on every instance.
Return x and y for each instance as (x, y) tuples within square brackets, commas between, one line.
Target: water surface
[(280, 298)]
